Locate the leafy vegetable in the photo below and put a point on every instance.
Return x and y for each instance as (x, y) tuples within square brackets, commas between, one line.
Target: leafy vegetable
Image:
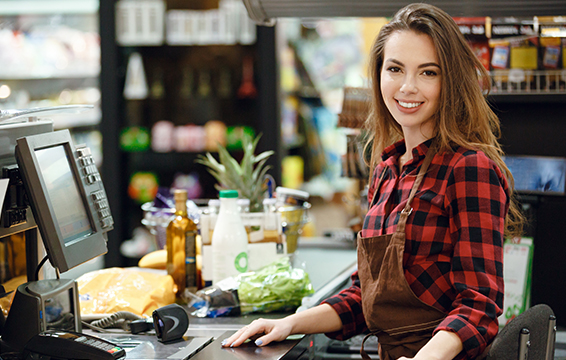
[(275, 287)]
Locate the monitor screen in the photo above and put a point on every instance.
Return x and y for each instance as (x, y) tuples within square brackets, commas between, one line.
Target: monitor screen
[(62, 190), (538, 174), (66, 196)]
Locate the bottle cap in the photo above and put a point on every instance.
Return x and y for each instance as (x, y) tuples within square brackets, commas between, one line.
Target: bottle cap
[(233, 194), (180, 194), (291, 196), (292, 192)]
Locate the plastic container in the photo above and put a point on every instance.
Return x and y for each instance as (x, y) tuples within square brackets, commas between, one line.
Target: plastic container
[(286, 196), (229, 240), (213, 209), (243, 205), (293, 219)]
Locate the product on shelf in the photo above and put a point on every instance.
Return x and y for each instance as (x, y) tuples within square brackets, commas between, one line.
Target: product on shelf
[(553, 42), (143, 186), (515, 44), (474, 30), (162, 136)]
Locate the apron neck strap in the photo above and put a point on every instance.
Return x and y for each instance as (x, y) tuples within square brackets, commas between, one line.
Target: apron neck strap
[(419, 180), (407, 210)]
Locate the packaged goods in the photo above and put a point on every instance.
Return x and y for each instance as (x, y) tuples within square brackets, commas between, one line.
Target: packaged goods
[(275, 287)]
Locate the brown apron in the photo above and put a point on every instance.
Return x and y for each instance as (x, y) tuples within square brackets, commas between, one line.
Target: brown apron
[(393, 313)]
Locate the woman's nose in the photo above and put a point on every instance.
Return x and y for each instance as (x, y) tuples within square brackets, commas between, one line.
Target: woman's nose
[(408, 86)]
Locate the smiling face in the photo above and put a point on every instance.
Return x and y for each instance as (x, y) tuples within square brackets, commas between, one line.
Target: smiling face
[(410, 83)]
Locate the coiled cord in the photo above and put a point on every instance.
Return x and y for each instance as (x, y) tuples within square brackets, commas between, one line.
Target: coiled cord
[(119, 319)]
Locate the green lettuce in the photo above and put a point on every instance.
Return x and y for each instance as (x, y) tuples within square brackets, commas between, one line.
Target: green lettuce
[(275, 287)]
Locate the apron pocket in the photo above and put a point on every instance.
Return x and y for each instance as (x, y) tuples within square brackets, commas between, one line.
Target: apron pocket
[(370, 254)]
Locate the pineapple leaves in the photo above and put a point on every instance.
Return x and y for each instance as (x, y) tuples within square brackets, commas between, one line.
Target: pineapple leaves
[(247, 176)]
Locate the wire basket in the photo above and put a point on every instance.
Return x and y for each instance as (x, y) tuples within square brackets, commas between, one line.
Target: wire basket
[(156, 220)]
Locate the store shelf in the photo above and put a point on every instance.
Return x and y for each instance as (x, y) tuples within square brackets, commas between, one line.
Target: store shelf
[(42, 7), (529, 82), (87, 119), (534, 98), (40, 74), (150, 160)]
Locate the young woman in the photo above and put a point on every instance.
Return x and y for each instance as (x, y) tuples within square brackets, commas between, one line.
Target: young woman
[(430, 274)]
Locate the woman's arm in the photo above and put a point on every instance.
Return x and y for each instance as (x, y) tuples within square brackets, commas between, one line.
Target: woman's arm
[(477, 201), (443, 345), (319, 319)]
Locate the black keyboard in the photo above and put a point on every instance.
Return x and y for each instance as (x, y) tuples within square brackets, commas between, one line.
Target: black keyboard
[(353, 345)]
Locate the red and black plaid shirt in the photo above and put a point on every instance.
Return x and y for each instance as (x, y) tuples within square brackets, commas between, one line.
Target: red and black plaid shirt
[(453, 256)]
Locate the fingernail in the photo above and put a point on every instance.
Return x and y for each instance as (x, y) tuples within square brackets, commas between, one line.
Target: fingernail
[(258, 342), (232, 345), (224, 342)]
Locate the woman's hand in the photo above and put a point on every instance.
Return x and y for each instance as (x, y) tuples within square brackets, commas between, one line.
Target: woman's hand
[(274, 330), (318, 319)]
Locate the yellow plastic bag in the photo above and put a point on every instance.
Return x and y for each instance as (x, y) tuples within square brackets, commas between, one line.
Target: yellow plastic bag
[(111, 290)]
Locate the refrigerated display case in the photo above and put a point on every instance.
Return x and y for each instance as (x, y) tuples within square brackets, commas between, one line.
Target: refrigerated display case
[(50, 56)]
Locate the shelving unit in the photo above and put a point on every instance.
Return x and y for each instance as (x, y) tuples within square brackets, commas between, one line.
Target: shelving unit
[(169, 62)]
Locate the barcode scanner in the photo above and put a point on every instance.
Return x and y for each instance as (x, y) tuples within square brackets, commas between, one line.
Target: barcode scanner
[(170, 322)]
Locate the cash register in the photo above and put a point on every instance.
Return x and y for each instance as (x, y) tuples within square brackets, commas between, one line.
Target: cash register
[(54, 189)]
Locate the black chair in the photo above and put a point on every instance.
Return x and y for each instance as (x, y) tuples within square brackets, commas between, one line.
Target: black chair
[(529, 336)]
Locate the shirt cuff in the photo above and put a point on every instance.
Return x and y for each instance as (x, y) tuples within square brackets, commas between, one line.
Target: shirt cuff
[(473, 341), (350, 320)]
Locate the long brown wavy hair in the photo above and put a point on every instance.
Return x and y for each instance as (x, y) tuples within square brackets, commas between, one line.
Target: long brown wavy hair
[(464, 117)]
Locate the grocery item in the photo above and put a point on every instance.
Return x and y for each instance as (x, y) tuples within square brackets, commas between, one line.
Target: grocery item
[(229, 240), (181, 247)]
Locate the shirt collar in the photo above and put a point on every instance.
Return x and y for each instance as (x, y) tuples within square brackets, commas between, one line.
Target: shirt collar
[(392, 152)]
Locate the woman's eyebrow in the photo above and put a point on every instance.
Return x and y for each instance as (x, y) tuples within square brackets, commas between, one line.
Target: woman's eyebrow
[(429, 64), (395, 61)]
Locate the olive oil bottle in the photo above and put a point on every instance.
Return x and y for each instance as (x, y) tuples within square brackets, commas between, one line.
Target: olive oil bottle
[(181, 247)]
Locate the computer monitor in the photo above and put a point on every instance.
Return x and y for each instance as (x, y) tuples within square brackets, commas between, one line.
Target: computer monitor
[(67, 197), (538, 174)]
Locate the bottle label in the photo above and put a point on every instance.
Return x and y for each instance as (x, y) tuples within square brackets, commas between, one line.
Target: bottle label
[(190, 259), (241, 262)]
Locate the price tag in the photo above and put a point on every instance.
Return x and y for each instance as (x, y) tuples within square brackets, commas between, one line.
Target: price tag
[(516, 75)]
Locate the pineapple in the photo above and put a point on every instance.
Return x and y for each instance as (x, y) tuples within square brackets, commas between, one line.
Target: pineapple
[(247, 177)]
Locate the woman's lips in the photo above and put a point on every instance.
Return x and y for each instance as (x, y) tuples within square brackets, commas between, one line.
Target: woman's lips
[(408, 106)]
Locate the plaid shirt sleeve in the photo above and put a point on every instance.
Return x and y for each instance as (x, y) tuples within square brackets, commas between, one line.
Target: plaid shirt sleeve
[(348, 305), (477, 201)]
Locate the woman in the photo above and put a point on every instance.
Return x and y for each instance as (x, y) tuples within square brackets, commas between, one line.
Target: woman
[(430, 273)]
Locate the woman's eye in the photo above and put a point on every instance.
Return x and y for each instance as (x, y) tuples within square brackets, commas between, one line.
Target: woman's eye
[(393, 69), (430, 73)]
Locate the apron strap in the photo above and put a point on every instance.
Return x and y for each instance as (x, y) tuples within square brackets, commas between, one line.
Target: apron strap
[(363, 353), (407, 210)]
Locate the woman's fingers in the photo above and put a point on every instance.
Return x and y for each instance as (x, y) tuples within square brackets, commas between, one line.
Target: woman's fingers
[(238, 338), (267, 338)]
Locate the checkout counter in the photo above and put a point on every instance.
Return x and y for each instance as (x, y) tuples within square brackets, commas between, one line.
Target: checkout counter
[(329, 269), (54, 190)]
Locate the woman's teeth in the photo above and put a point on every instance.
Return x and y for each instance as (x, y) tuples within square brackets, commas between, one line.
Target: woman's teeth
[(409, 105)]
